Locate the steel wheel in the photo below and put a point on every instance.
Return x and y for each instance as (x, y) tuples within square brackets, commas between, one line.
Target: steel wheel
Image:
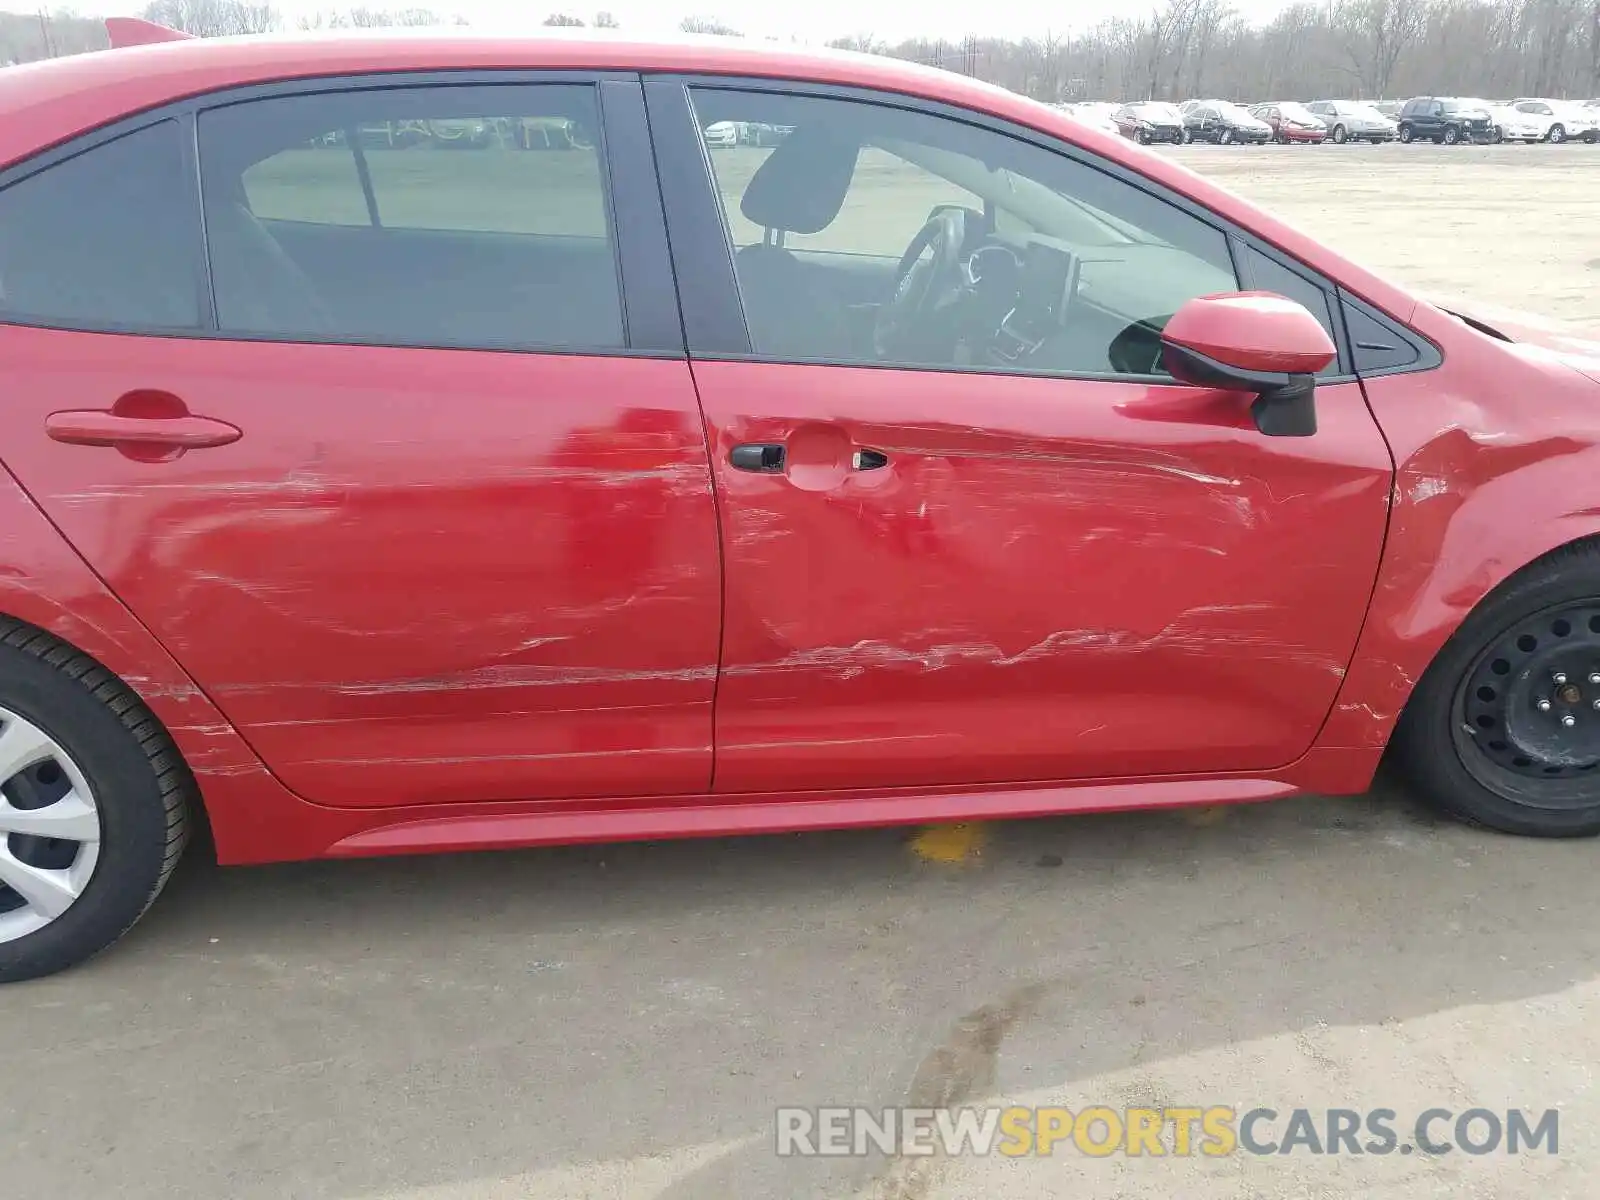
[(1529, 709), (49, 828)]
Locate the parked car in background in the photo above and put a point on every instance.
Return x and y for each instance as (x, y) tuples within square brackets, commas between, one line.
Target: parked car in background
[(1225, 123), (1444, 119), (1353, 121), (1567, 119), (1148, 121), (1291, 122), (1095, 114), (722, 135), (1388, 108), (1509, 123)]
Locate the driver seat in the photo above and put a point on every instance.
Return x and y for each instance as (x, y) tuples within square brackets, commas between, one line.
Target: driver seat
[(800, 188)]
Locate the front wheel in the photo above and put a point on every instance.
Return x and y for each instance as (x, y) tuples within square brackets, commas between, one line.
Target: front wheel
[(1144, 137), (1504, 728), (1557, 134), (1340, 134), (1499, 134), (1225, 137), (1406, 133), (1452, 135)]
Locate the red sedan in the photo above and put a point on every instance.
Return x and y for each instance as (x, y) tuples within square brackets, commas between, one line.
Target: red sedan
[(935, 457), (1292, 123)]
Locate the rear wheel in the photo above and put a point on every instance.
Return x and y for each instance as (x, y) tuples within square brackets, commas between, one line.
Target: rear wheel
[(1504, 728), (1225, 137), (94, 805)]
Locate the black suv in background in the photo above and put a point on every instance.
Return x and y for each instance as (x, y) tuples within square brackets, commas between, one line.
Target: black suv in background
[(1444, 119)]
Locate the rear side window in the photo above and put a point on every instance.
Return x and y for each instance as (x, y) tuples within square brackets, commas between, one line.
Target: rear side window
[(450, 216), (108, 239)]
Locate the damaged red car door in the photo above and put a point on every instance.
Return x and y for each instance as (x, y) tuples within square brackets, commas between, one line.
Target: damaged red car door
[(1069, 568), (460, 542)]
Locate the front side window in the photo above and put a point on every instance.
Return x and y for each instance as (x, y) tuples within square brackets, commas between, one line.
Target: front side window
[(107, 239), (873, 234), (470, 216)]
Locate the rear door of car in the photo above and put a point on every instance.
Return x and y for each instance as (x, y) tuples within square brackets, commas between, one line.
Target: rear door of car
[(412, 479)]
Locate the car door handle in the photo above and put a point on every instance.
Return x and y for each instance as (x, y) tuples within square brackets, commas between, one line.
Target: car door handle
[(766, 458), (100, 427)]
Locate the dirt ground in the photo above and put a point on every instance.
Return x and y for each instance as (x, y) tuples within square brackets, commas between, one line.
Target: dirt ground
[(1517, 226), (620, 1022)]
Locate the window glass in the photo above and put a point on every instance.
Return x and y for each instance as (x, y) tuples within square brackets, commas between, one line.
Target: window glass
[(1269, 275), (1045, 264), (107, 239), (471, 216)]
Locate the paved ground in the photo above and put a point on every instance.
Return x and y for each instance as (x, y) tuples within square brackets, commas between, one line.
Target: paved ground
[(621, 1021)]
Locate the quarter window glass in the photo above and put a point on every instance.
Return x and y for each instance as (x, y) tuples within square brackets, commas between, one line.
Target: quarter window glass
[(107, 239), (471, 216), (872, 234)]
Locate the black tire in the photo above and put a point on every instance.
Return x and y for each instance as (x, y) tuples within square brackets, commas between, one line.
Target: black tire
[(1340, 134), (1440, 752), (1499, 134), (1225, 137), (1451, 135), (1406, 133), (1558, 133), (1144, 137), (143, 791)]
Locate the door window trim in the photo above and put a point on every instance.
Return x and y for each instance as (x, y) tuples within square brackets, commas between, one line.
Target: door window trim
[(703, 248), (651, 323)]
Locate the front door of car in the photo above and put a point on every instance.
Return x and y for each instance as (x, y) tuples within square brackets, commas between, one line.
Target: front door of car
[(955, 557), (412, 490)]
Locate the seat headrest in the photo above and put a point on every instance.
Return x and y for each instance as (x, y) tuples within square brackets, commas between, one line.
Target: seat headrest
[(801, 186)]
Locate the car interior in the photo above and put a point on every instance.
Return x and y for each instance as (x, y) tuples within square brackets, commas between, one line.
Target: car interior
[(471, 282), (1033, 279)]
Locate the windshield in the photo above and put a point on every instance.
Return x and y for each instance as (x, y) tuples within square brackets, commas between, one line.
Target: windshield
[(1296, 112), (1232, 111), (1462, 106)]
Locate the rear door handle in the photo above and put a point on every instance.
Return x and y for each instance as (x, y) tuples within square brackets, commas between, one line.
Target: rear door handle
[(763, 457), (100, 427)]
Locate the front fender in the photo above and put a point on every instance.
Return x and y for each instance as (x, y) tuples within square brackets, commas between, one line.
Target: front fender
[(1497, 463)]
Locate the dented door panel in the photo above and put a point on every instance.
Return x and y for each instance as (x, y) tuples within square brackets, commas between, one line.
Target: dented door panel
[(418, 575), (1045, 579)]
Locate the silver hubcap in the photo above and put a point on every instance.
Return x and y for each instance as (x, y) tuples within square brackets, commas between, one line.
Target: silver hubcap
[(49, 828)]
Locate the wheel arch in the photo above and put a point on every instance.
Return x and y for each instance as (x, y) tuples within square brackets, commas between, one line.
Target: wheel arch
[(1397, 649), (45, 585)]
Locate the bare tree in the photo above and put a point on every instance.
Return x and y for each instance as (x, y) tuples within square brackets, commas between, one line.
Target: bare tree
[(708, 25), (604, 20), (212, 18), (564, 21), (1374, 33)]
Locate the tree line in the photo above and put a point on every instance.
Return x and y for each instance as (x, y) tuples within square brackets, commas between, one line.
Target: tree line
[(1367, 49)]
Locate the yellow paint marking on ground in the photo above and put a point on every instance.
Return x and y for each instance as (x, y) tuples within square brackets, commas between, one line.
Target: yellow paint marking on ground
[(950, 843)]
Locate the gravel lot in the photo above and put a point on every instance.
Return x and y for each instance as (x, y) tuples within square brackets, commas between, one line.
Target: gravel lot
[(621, 1021)]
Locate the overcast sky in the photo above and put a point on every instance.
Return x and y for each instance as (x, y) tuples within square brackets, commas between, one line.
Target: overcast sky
[(808, 20)]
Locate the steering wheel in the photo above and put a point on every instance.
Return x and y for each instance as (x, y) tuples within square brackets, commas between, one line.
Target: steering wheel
[(921, 285)]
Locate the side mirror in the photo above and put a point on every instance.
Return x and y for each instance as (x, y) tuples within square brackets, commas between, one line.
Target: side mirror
[(1252, 342)]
